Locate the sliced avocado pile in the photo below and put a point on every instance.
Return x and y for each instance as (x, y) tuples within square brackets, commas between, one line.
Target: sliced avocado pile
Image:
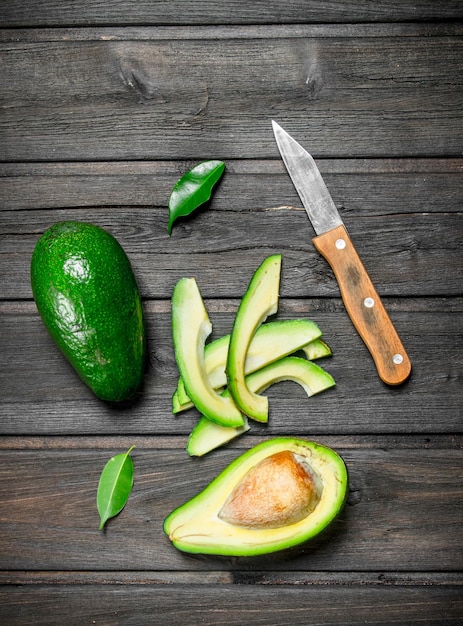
[(275, 496), (224, 379)]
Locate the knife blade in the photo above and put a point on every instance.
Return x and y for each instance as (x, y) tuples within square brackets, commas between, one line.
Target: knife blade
[(358, 293)]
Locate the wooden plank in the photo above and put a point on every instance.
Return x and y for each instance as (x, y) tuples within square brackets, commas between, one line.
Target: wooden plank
[(165, 99), (54, 401), (171, 605), (358, 186), (400, 502), (406, 255), (41, 13)]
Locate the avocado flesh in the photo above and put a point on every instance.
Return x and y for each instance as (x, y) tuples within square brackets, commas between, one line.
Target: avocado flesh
[(316, 349), (203, 524), (87, 296), (259, 301), (191, 327), (207, 436), (271, 342)]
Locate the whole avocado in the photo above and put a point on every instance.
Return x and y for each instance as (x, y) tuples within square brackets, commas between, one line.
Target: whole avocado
[(88, 298)]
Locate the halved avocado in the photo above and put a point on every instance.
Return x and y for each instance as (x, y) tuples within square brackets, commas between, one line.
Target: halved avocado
[(275, 496), (190, 328), (207, 436), (259, 301), (271, 342)]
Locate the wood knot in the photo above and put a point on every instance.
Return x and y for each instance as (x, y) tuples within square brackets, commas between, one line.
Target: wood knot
[(314, 84), (140, 83)]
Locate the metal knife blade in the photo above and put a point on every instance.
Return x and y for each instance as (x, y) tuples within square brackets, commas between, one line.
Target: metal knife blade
[(359, 295)]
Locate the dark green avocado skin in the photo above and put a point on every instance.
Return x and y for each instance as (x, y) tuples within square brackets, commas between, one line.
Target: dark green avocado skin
[(88, 298)]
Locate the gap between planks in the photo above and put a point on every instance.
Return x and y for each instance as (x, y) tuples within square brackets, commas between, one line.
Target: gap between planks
[(264, 31), (247, 166), (240, 577), (174, 442), (451, 304)]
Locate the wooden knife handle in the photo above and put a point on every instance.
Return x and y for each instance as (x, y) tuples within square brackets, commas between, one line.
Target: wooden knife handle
[(364, 306)]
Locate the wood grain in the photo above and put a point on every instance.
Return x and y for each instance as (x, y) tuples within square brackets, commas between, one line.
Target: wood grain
[(364, 306), (370, 187), (348, 95), (236, 12), (400, 502), (54, 401), (104, 106), (278, 604), (405, 255)]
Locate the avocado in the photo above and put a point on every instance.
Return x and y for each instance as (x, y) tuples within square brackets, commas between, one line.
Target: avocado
[(271, 342), (275, 496), (207, 436), (317, 349), (190, 328), (88, 298), (259, 301)]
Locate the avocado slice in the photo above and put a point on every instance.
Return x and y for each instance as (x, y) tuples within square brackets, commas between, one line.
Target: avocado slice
[(259, 301), (88, 298), (275, 496), (207, 436), (271, 342), (190, 328), (317, 349)]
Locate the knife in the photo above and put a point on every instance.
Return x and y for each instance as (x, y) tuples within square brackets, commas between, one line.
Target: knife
[(360, 298)]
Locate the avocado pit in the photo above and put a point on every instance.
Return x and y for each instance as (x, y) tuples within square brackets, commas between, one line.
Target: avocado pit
[(280, 490)]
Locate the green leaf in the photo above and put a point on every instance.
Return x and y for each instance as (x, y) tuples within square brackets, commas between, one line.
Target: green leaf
[(193, 189), (116, 482)]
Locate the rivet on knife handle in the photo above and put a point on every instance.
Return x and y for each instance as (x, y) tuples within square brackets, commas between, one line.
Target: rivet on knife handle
[(364, 306)]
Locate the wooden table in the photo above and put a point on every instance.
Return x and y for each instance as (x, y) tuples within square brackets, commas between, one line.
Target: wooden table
[(104, 106)]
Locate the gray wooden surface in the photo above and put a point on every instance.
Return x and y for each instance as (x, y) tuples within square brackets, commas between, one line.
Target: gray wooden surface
[(103, 107)]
